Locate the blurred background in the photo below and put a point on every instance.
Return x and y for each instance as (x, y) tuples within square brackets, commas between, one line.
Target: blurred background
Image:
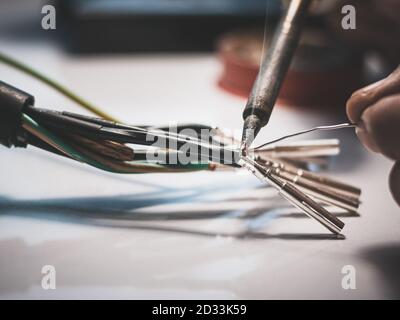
[(98, 26), (154, 62), (337, 62)]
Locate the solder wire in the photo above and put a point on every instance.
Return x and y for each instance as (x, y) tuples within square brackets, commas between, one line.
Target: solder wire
[(320, 128)]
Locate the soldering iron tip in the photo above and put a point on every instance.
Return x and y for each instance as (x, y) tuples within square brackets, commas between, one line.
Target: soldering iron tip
[(251, 127)]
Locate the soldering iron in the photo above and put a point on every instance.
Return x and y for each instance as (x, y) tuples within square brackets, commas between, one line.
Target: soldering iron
[(274, 65)]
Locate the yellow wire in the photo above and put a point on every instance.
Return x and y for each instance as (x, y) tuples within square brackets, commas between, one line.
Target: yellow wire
[(55, 85)]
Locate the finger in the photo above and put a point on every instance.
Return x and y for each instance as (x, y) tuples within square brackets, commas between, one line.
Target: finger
[(381, 126), (365, 97), (394, 182), (367, 140)]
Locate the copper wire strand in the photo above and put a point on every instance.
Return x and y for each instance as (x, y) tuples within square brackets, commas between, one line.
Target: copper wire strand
[(126, 167), (117, 166), (114, 150), (43, 137)]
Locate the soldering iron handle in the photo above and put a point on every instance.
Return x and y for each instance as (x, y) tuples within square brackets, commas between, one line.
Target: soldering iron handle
[(276, 62)]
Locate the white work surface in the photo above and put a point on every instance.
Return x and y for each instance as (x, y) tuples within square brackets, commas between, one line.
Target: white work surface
[(178, 236)]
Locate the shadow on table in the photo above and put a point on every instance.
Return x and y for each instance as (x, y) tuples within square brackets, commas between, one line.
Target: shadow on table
[(386, 259), (99, 261), (132, 211)]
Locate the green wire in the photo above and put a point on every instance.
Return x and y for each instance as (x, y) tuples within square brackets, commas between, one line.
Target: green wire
[(55, 85)]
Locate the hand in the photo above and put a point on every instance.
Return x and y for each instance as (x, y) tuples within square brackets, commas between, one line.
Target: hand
[(376, 110)]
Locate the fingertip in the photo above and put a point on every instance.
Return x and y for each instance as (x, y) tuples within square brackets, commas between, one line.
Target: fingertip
[(350, 108), (394, 182), (353, 107), (362, 99), (381, 122), (356, 104), (367, 140)]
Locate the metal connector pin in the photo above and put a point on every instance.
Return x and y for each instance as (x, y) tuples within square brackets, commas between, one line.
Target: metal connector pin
[(294, 196)]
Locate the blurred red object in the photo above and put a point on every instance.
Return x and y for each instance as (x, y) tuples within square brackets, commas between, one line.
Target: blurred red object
[(323, 73)]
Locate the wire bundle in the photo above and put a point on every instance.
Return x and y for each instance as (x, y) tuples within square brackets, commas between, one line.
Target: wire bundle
[(120, 148), (103, 144)]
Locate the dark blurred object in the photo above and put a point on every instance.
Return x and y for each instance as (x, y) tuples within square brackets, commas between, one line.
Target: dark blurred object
[(377, 29), (155, 25), (323, 71), (20, 20)]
